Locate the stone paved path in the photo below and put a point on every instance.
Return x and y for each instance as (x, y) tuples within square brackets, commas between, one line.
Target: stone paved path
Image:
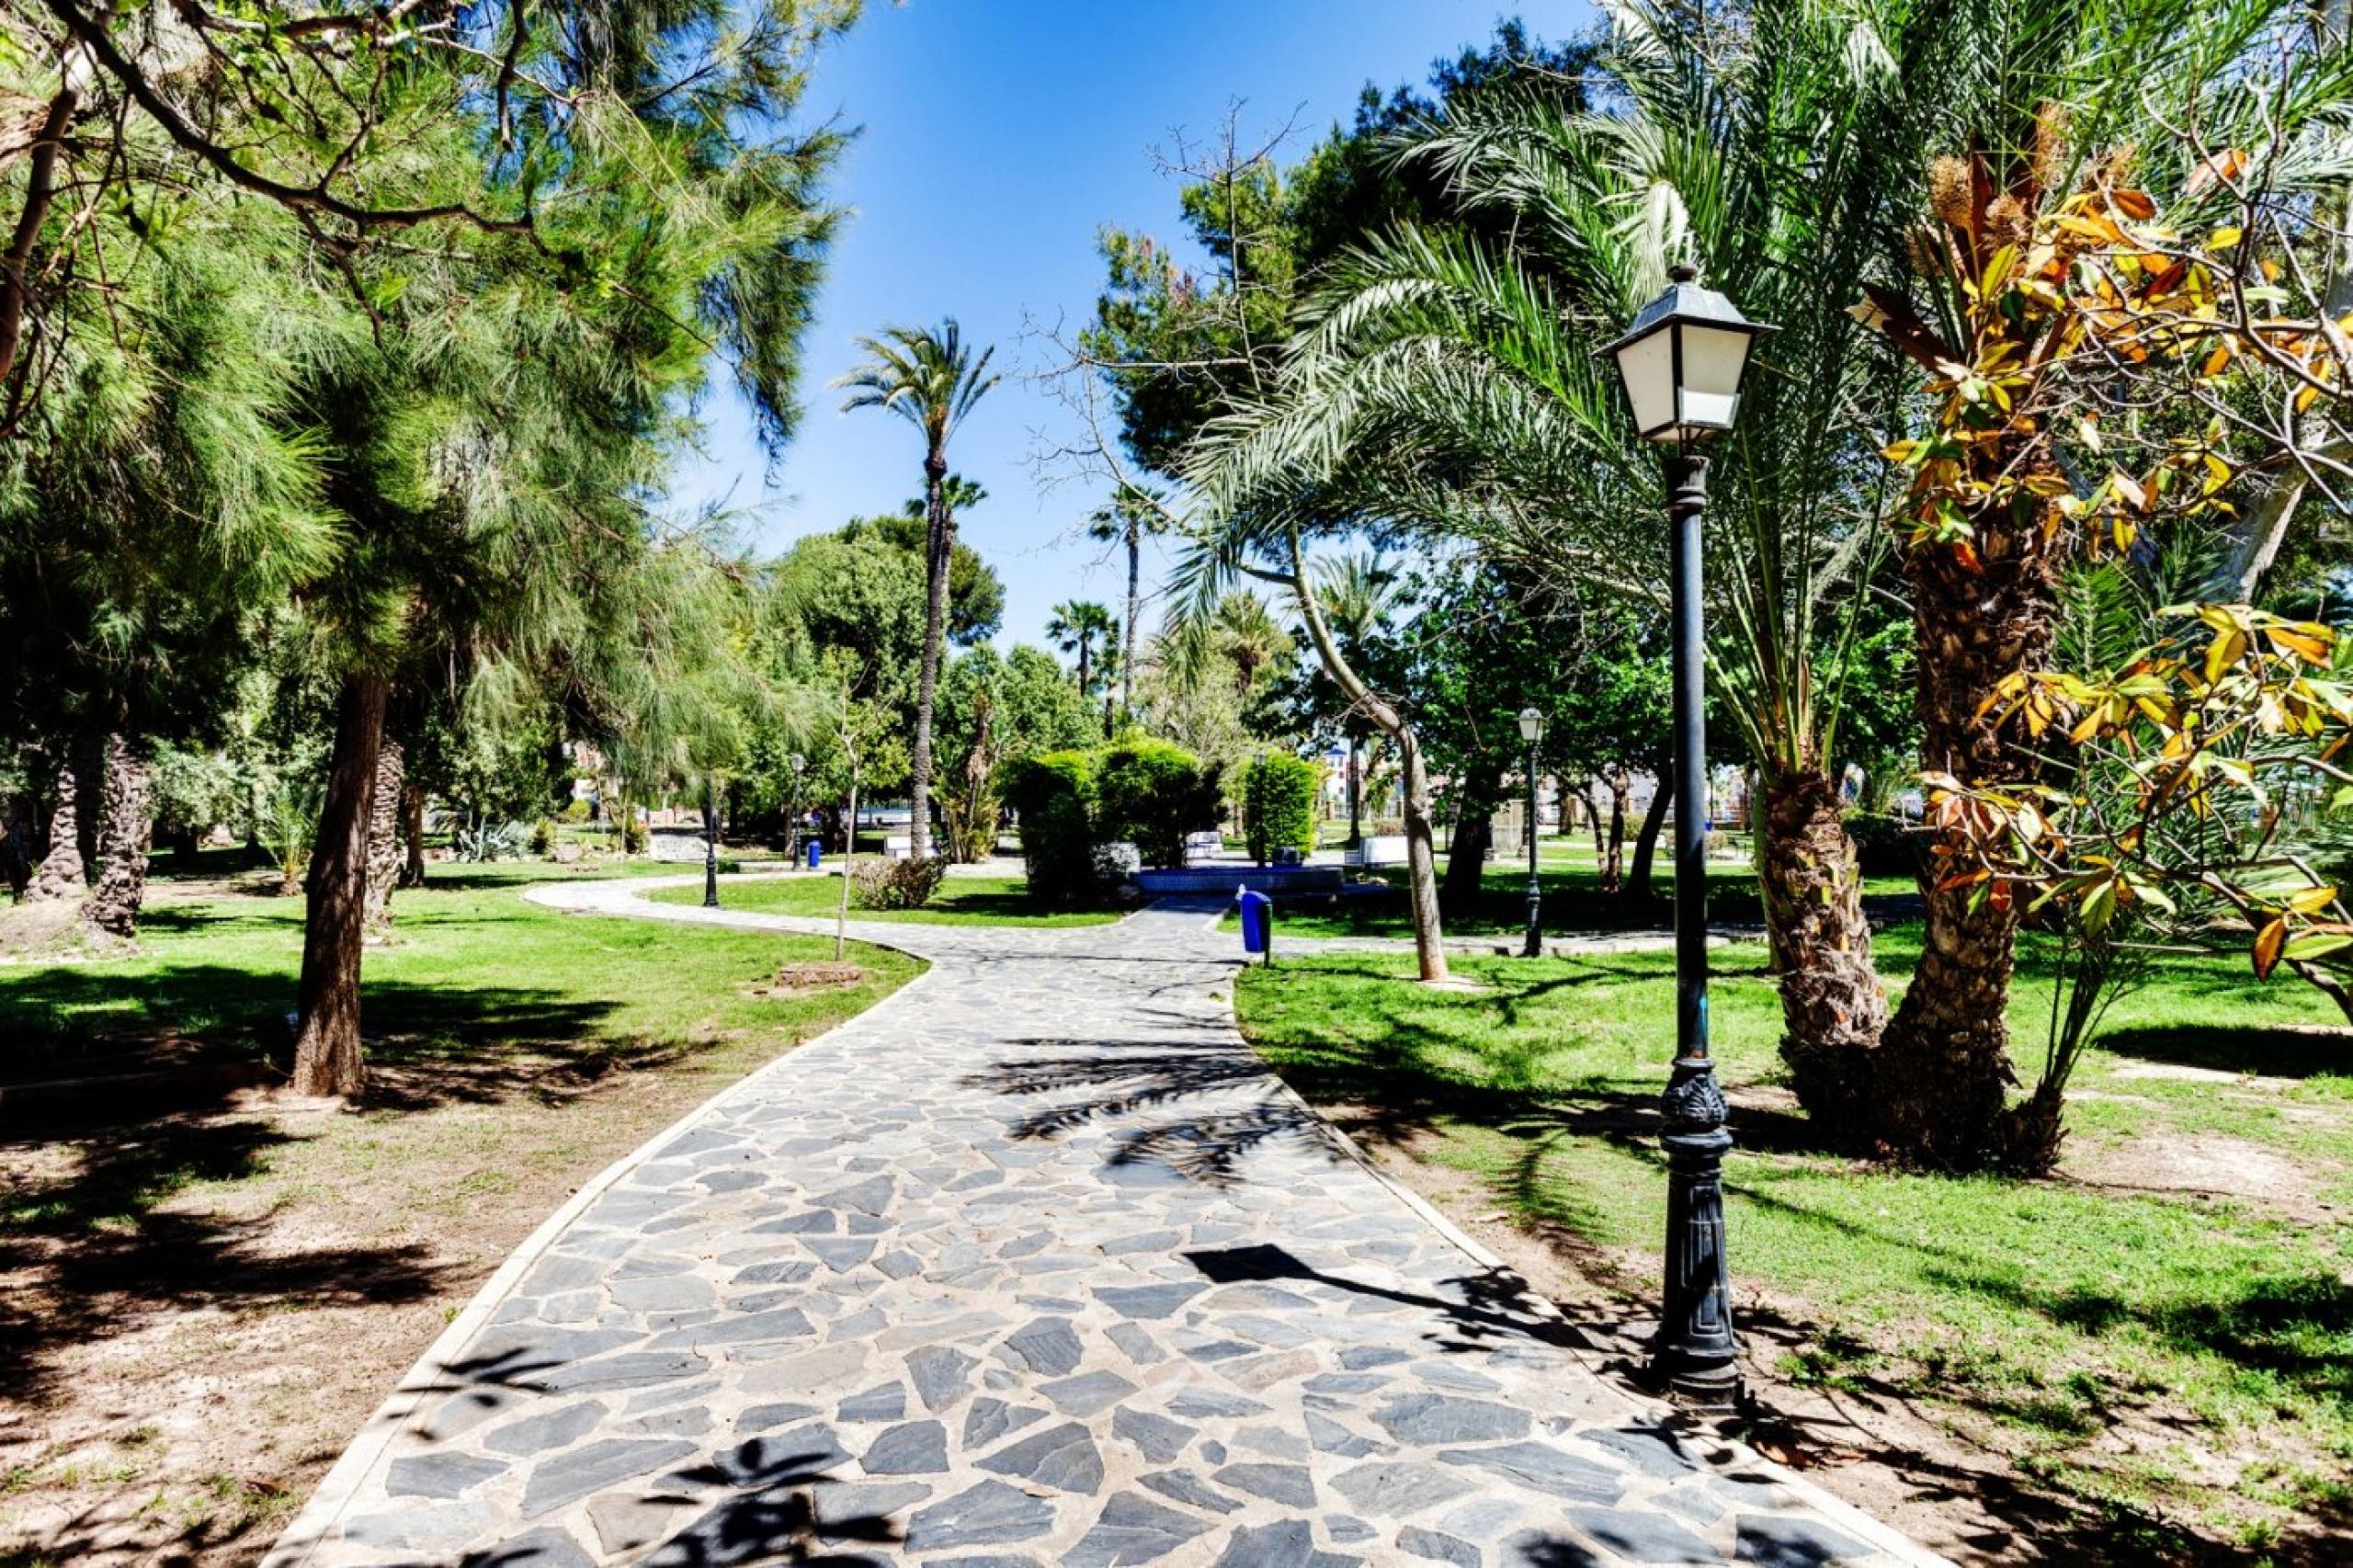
[(1032, 1264)]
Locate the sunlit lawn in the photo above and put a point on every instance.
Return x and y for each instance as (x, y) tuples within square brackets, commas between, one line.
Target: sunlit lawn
[(961, 900), (2036, 1316)]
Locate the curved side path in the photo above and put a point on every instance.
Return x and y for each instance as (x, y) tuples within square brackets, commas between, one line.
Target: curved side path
[(1032, 1264)]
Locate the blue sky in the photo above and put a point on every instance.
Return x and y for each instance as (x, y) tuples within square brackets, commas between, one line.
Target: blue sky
[(997, 136)]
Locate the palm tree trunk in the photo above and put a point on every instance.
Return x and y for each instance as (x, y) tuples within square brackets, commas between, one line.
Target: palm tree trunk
[(384, 839), (1832, 1011), (940, 544), (59, 876), (1355, 793), (16, 844), (413, 835), (327, 1057), (126, 831), (1943, 1066), (1421, 828)]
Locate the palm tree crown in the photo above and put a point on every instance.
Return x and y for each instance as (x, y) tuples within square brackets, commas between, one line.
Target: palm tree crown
[(927, 376)]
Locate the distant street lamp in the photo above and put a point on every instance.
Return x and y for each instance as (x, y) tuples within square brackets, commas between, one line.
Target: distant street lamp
[(1682, 361), (710, 842), (1531, 730)]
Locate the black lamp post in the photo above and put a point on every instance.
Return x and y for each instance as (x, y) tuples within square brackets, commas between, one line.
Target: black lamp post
[(710, 842), (1531, 730), (1682, 361)]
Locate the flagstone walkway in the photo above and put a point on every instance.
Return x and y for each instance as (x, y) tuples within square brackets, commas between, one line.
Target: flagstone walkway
[(1032, 1264)]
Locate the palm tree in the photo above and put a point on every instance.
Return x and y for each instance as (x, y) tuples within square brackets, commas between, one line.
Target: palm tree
[(1132, 513), (1361, 595), (929, 377), (1444, 383), (1079, 626)]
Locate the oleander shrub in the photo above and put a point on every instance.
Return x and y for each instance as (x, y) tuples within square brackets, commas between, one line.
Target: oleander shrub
[(896, 884)]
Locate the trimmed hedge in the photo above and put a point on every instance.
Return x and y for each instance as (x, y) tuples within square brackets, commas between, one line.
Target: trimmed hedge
[(1150, 793), (1279, 806), (1053, 794)]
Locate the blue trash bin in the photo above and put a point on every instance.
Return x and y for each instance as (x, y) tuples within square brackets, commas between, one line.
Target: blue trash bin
[(816, 853), (1257, 923)]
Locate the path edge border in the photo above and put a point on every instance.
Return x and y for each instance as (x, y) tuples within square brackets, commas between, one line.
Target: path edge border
[(1878, 1531), (332, 1497)]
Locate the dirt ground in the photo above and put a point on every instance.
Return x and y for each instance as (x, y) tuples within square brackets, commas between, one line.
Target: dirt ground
[(171, 1389)]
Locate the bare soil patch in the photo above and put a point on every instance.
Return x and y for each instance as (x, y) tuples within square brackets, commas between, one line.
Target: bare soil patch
[(816, 976)]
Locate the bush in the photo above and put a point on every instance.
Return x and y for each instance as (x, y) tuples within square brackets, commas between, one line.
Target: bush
[(1279, 806), (632, 834), (896, 884), (1152, 794), (542, 838), (1053, 795), (576, 811)]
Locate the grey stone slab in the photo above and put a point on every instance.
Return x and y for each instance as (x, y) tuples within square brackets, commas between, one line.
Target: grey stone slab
[(1148, 1302), (840, 1254), (990, 1419), (1288, 1484), (854, 1510), (1390, 1490), (414, 1528), (1186, 1487), (635, 1370), (1644, 1537), (942, 1375), (549, 1429), (1087, 1392), (885, 1403), (570, 1476), (442, 1474), (1063, 1458), (1545, 1549), (544, 1548), (1428, 1419), (919, 1447), (1439, 1547), (1158, 1439), (1047, 1347), (1133, 1528), (1791, 1542), (1289, 1543), (1654, 1451), (1543, 1467), (751, 1328), (990, 1513)]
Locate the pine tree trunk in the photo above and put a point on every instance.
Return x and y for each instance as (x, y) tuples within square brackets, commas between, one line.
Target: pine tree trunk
[(327, 1057), (940, 546), (1600, 828), (126, 831), (1421, 863), (16, 844), (413, 835), (59, 876), (1943, 1066), (1638, 888), (384, 839), (1832, 1008), (1474, 834)]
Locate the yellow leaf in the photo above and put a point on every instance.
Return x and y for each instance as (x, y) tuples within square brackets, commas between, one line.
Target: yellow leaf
[(2223, 239), (2268, 945)]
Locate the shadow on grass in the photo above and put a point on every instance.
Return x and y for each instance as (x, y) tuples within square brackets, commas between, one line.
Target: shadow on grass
[(2271, 1053)]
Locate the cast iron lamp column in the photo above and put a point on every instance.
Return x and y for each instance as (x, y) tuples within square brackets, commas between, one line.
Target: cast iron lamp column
[(1682, 361), (1531, 730)]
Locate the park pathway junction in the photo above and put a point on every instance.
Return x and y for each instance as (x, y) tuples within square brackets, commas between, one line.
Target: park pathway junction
[(1034, 1263)]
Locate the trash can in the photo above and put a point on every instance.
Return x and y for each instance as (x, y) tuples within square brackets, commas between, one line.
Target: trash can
[(815, 851), (1257, 922)]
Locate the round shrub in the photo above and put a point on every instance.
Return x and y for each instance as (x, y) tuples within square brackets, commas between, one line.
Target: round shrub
[(1151, 795), (1279, 806)]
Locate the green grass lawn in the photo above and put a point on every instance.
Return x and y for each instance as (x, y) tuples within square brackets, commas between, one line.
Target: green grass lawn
[(472, 969), (961, 900), (2175, 1364), (1573, 901)]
